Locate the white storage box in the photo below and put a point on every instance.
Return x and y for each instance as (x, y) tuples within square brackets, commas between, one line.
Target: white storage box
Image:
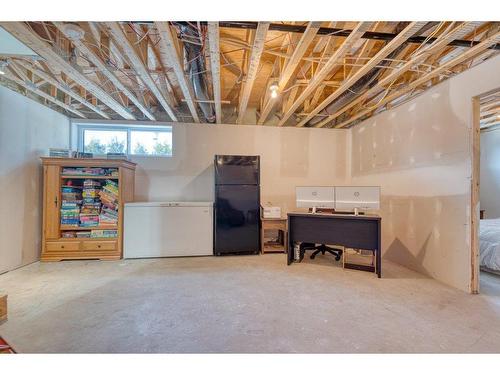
[(271, 212)]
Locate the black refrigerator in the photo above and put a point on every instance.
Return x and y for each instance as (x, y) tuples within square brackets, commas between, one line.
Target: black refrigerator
[(237, 205)]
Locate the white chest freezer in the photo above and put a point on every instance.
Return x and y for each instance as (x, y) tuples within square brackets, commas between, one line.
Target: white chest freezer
[(167, 229)]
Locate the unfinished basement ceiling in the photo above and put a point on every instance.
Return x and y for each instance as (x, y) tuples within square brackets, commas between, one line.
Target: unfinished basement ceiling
[(325, 74)]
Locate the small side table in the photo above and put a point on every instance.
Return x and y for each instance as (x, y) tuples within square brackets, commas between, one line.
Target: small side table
[(277, 244)]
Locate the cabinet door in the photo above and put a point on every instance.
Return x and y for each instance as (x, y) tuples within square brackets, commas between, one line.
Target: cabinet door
[(51, 200)]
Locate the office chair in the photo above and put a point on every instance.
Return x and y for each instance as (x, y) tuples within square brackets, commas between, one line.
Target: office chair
[(323, 249)]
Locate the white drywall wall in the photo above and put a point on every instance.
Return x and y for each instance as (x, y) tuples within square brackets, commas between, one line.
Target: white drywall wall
[(490, 173), (289, 157), (27, 130), (420, 153)]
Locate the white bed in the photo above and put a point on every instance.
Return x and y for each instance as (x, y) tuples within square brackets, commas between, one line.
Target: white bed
[(489, 244)]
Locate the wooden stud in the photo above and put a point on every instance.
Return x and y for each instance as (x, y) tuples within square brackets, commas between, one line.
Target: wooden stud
[(169, 51), (395, 74), (485, 44), (474, 202), (409, 31), (138, 65), (30, 87), (213, 43), (317, 80), (258, 46), (64, 88), (291, 66), (94, 57), (42, 48)]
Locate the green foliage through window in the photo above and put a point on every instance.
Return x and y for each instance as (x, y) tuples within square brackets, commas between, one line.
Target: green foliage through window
[(132, 141)]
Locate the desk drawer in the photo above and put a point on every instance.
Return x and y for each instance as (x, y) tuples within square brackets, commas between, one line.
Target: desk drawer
[(62, 246), (99, 245)]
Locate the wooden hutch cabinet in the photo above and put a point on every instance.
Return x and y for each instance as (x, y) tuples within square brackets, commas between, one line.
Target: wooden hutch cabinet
[(83, 207)]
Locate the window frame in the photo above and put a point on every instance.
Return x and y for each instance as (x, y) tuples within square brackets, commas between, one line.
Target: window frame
[(128, 129)]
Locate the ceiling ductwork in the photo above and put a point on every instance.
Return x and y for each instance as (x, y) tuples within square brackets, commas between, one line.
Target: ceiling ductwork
[(195, 60), (366, 82)]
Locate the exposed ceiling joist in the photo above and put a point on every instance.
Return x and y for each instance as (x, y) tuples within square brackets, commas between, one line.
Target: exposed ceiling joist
[(129, 50), (42, 48), (26, 84), (213, 44), (474, 51), (93, 57), (336, 32), (291, 66), (334, 60), (167, 47), (327, 52), (414, 60), (64, 88), (408, 31), (253, 66)]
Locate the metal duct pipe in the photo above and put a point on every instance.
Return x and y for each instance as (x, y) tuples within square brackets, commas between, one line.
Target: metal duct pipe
[(196, 70)]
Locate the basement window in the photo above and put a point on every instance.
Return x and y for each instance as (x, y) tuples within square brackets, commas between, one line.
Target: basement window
[(130, 140)]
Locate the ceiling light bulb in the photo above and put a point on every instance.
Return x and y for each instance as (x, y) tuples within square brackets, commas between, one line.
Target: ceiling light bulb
[(3, 65), (274, 90)]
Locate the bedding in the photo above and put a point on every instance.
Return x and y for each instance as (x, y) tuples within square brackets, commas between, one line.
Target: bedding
[(489, 244)]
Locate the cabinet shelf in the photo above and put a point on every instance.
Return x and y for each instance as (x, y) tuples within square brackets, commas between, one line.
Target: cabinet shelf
[(71, 227), (67, 176), (55, 247)]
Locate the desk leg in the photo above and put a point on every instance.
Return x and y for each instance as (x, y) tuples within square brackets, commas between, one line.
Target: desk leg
[(379, 254), (290, 250)]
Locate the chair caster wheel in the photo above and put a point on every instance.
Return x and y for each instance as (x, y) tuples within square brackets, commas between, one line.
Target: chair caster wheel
[(337, 258), (313, 256)]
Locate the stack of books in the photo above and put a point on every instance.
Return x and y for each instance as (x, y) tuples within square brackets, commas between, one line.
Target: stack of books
[(70, 206), (68, 234), (83, 234), (82, 171), (89, 213), (103, 233), (109, 200), (108, 216), (59, 153), (83, 155)]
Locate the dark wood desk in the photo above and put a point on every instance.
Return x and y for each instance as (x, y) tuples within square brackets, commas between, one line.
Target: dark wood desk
[(357, 232)]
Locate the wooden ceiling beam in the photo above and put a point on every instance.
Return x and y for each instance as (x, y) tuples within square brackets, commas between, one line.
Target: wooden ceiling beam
[(29, 86), (167, 47), (320, 76), (470, 53), (137, 63), (64, 88), (415, 58), (42, 48), (213, 44), (291, 65), (253, 66), (104, 69), (407, 32)]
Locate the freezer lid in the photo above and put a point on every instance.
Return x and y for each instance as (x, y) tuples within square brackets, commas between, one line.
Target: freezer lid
[(170, 204)]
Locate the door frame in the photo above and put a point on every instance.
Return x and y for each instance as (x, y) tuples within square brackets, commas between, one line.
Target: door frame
[(474, 198), (475, 189)]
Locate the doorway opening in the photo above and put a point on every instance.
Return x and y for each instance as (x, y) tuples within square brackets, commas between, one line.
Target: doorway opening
[(485, 194)]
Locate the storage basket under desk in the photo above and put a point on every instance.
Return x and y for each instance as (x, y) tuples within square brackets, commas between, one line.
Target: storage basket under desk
[(275, 229)]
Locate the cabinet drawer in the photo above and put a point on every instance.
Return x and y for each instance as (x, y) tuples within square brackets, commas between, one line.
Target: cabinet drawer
[(62, 246), (99, 245)]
